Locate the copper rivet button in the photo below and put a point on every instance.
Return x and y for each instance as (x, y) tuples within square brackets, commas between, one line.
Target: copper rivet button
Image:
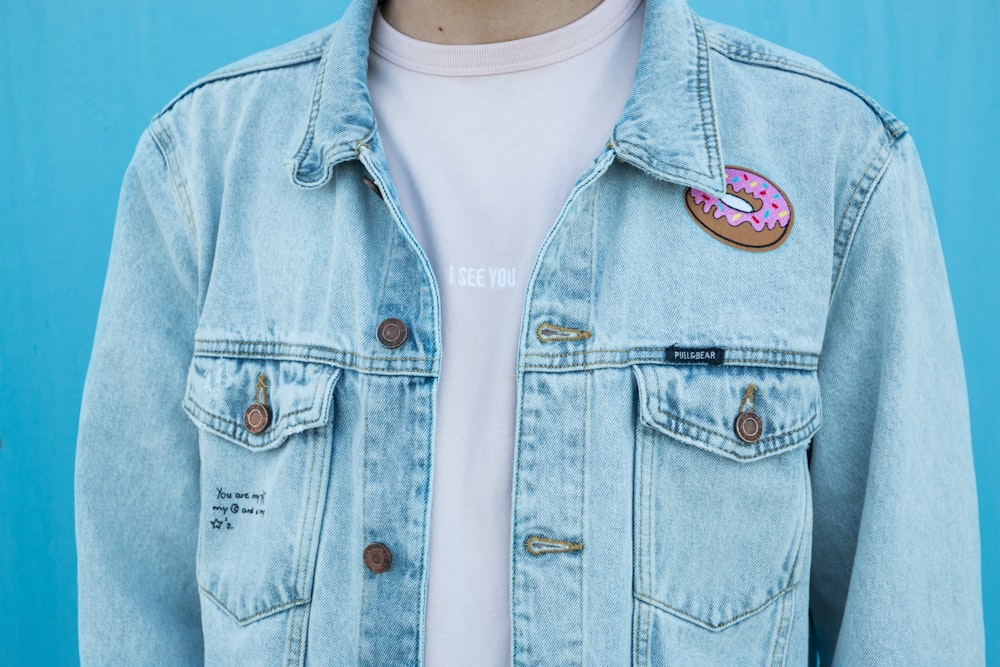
[(257, 417), (377, 557), (371, 184), (749, 426), (392, 332)]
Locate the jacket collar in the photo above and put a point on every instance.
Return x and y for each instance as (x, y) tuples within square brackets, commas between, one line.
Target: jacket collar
[(668, 126)]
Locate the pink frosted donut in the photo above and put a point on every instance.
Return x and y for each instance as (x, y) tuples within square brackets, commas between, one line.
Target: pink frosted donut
[(753, 215)]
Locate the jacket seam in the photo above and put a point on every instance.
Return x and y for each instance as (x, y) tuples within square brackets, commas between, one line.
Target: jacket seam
[(787, 619), (165, 143), (230, 422), (165, 146), (282, 424), (793, 435), (628, 362), (893, 126), (705, 102), (661, 347), (652, 164), (364, 593), (297, 58), (780, 645), (315, 103), (655, 602), (854, 214), (245, 620), (302, 570), (357, 355)]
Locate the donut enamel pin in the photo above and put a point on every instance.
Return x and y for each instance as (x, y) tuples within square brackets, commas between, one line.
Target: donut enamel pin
[(754, 214)]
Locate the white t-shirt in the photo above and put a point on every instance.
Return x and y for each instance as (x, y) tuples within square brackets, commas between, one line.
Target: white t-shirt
[(484, 144)]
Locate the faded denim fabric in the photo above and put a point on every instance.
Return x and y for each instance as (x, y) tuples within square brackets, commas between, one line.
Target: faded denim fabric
[(645, 531)]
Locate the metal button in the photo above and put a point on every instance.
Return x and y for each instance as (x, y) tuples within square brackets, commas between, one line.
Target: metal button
[(371, 184), (257, 417), (377, 557), (749, 426), (392, 332)]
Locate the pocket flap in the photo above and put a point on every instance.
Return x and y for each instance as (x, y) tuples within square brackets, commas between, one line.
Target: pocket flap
[(698, 405), (220, 389)]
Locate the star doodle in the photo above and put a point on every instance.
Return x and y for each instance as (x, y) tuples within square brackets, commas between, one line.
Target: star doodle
[(216, 523)]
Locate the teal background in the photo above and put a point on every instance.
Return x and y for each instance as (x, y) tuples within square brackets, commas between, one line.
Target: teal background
[(80, 80)]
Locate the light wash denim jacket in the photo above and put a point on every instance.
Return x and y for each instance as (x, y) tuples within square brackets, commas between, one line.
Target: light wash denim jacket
[(251, 262)]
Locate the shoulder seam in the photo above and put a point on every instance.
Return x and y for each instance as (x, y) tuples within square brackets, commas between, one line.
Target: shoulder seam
[(893, 126), (298, 58), (180, 218), (164, 144), (855, 212)]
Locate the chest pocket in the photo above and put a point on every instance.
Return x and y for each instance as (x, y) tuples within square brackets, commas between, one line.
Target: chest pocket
[(263, 485), (720, 522)]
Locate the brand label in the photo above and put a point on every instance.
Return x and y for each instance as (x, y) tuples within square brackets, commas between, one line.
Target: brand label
[(713, 356)]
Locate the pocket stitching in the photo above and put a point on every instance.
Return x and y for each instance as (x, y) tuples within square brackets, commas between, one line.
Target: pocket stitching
[(318, 510), (650, 387), (655, 417), (230, 422), (253, 617), (322, 400), (660, 604), (280, 430), (790, 434)]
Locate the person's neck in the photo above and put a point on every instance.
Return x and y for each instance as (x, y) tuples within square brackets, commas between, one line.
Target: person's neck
[(481, 21)]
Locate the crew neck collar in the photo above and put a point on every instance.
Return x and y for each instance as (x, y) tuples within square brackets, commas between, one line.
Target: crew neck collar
[(504, 57)]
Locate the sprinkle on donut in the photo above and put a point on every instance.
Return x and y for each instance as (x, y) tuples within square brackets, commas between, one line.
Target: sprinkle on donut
[(753, 215)]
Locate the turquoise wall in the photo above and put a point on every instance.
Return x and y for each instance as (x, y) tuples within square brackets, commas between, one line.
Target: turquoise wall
[(80, 80)]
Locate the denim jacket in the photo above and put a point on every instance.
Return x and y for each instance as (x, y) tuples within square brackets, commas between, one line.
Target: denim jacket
[(736, 442)]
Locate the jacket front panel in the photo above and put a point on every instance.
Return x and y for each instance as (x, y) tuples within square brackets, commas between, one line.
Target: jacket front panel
[(648, 527), (614, 443)]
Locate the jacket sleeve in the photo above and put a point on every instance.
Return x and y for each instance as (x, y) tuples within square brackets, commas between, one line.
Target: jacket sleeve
[(136, 476), (896, 564)]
